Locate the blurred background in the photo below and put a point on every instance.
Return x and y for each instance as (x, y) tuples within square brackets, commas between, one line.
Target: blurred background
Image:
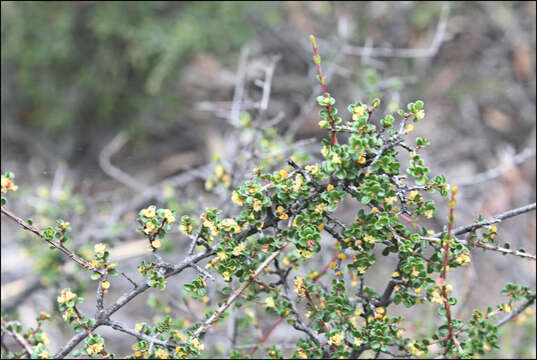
[(109, 106)]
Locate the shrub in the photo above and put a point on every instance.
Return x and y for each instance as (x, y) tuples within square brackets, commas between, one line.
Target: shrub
[(261, 247)]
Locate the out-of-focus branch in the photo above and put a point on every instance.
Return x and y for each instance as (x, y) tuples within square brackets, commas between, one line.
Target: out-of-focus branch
[(407, 53), (106, 165)]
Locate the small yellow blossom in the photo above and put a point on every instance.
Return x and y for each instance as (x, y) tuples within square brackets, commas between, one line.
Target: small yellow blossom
[(374, 209), (168, 215), (161, 354), (361, 269), (44, 338), (280, 209), (239, 249), (257, 205), (380, 310), (361, 159), (269, 302), (156, 243), (149, 212), (463, 258), (7, 184), (196, 344), (395, 274), (283, 174), (437, 298), (139, 327), (409, 128), (336, 159), (417, 290), (299, 181), (320, 208), (302, 353), (420, 114), (390, 200), (99, 248), (413, 194), (336, 339), (236, 198), (414, 350), (428, 214), (106, 285), (44, 315), (43, 354), (329, 187), (149, 227), (65, 296), (415, 272), (221, 255), (111, 265), (358, 341), (312, 169), (305, 254), (370, 239), (284, 217), (358, 112), (325, 151), (299, 286), (95, 349), (332, 265), (226, 275), (341, 256)]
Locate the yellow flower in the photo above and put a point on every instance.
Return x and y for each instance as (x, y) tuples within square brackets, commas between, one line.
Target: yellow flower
[(417, 290), (342, 256), (358, 341), (361, 159), (414, 350), (305, 254), (44, 315), (428, 214), (7, 184), (179, 351), (139, 327), (161, 354), (156, 244), (95, 349), (312, 169), (257, 205), (395, 274), (168, 215), (463, 258), (336, 159), (221, 255), (111, 265), (196, 345), (413, 194), (269, 302), (280, 209), (390, 200), (329, 187), (43, 354), (68, 314), (409, 128), (302, 353), (106, 285), (415, 272), (299, 181), (336, 339), (284, 217), (380, 310), (370, 239), (320, 208), (149, 212), (226, 275), (299, 286), (65, 296), (228, 223), (149, 227), (437, 298), (283, 174), (374, 209), (99, 248), (239, 249), (236, 198), (358, 111), (44, 338), (420, 114)]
